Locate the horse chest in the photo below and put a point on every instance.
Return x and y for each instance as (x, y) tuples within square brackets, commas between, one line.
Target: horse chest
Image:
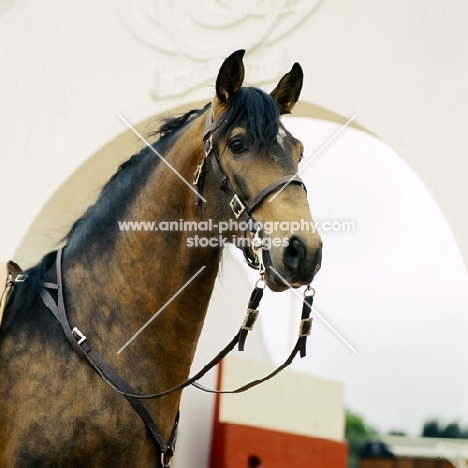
[(55, 411)]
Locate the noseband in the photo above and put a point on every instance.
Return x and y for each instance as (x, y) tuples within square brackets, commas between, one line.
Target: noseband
[(242, 210)]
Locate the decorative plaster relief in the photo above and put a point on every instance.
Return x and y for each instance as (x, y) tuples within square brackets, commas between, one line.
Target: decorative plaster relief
[(195, 36)]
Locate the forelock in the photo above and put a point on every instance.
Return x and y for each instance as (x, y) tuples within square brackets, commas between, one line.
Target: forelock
[(255, 111)]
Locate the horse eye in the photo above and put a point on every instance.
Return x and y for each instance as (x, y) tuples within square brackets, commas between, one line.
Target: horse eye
[(237, 146)]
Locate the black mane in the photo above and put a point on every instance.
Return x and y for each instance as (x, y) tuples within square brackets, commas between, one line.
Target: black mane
[(123, 185), (172, 124), (129, 178)]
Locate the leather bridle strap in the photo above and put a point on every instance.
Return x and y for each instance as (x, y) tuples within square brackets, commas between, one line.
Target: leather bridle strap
[(84, 350), (239, 339), (281, 182), (109, 376), (300, 347), (226, 185), (80, 345), (242, 210)]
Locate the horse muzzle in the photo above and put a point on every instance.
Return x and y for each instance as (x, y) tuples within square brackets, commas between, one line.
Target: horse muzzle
[(293, 264)]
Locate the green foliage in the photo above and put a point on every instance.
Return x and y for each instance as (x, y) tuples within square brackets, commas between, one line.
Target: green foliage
[(356, 433), (432, 428), (451, 431)]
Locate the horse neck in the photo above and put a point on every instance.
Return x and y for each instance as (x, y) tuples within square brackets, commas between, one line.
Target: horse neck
[(112, 292)]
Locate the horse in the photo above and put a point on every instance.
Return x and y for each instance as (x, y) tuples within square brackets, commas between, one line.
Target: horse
[(55, 409)]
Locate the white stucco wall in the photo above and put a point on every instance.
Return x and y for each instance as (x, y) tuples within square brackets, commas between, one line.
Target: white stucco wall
[(67, 68), (291, 402)]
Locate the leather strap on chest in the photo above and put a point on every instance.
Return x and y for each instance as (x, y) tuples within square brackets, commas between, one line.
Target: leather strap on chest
[(93, 358)]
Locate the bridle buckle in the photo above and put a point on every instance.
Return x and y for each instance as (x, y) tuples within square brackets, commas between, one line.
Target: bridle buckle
[(208, 145), (237, 206), (165, 461), (80, 335), (197, 173), (305, 327), (257, 247), (250, 319)]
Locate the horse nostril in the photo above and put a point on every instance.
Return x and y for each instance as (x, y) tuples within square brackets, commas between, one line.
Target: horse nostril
[(293, 254), (317, 259)]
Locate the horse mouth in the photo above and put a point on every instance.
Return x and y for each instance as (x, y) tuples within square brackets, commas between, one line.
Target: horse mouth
[(273, 279)]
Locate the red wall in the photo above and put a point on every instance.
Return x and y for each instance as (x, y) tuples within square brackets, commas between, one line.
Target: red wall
[(404, 462), (238, 446)]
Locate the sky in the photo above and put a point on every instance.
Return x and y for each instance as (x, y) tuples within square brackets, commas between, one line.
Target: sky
[(395, 289)]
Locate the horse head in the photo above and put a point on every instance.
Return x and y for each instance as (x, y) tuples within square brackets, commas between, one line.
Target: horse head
[(256, 162)]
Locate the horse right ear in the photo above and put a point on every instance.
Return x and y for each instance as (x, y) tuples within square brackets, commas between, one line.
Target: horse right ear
[(230, 76), (288, 90)]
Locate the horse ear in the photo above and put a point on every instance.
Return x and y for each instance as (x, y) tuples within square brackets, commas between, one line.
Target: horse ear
[(230, 76), (289, 87)]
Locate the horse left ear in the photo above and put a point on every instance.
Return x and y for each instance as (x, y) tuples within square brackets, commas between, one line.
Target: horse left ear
[(230, 76), (288, 90)]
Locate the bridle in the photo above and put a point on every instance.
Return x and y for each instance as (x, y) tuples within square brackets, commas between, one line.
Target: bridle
[(242, 210), (51, 294)]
